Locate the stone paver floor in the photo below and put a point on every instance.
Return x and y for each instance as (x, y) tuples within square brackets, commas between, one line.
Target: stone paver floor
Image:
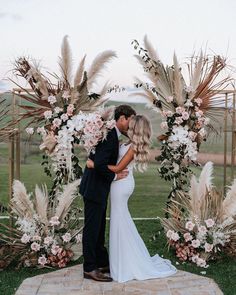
[(69, 281)]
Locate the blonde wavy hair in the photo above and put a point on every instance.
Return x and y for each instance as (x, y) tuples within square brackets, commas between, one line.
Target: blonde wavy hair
[(139, 133)]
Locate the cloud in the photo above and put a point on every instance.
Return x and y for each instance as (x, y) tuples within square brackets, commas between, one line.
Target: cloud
[(3, 86), (13, 16)]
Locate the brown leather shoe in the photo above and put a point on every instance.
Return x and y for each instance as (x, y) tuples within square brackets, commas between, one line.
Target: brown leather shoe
[(104, 269), (97, 275)]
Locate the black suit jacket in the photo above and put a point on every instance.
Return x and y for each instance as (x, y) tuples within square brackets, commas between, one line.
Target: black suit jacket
[(95, 183)]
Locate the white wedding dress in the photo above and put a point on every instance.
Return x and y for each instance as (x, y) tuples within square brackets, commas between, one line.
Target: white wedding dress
[(128, 255)]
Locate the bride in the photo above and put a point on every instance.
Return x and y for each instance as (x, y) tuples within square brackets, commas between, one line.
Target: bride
[(128, 255)]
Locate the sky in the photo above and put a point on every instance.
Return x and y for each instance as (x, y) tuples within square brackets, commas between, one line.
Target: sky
[(35, 28)]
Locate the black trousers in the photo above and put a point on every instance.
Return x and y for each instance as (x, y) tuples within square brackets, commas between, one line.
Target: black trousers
[(94, 252)]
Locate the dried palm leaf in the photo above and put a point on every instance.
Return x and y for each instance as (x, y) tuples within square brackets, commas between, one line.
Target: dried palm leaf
[(229, 203), (41, 203), (79, 73), (65, 62), (98, 65), (21, 203), (66, 198)]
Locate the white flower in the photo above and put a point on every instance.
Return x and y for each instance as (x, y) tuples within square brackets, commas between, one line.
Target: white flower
[(64, 117), (66, 94), (169, 233), (56, 122), (195, 243), (78, 238), (175, 237), (54, 221), (202, 229), (55, 249), (25, 238), (52, 99), (66, 237), (169, 99), (201, 262), (58, 110), (41, 130), (188, 103), (164, 125), (29, 130), (189, 225), (35, 246), (42, 260), (188, 237), (48, 240), (195, 258), (48, 114), (209, 222), (208, 247), (176, 167)]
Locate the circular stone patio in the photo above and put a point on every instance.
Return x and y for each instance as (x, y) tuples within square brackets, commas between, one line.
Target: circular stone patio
[(70, 281)]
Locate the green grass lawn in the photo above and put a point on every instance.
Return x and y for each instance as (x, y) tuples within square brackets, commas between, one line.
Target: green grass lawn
[(222, 271)]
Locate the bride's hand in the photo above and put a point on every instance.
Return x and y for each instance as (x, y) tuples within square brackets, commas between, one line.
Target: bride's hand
[(90, 163)]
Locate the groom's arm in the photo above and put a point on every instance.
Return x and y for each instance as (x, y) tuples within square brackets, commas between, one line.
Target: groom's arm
[(102, 157)]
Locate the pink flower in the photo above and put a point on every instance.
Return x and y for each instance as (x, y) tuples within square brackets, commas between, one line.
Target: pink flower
[(56, 122), (167, 113), (35, 246), (188, 237), (202, 229), (185, 115), (175, 237), (208, 247), (169, 233), (164, 125), (25, 239), (55, 249), (111, 124), (169, 99), (201, 262), (47, 114), (66, 237), (195, 243), (54, 221), (189, 225), (179, 110), (58, 110), (192, 135), (52, 99), (199, 114), (70, 109), (198, 101), (48, 240), (66, 94), (42, 260), (64, 117), (209, 222)]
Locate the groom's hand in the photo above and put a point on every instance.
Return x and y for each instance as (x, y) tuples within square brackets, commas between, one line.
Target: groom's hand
[(124, 173)]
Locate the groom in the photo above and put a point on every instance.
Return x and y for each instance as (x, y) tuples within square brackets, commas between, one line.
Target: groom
[(94, 188)]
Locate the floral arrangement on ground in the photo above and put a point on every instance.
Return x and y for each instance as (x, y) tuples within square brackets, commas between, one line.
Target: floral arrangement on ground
[(47, 232), (202, 222)]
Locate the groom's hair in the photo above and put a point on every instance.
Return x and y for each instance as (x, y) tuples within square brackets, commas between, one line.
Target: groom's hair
[(124, 110)]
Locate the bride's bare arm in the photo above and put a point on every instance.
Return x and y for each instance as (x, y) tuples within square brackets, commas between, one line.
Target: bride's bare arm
[(128, 157)]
